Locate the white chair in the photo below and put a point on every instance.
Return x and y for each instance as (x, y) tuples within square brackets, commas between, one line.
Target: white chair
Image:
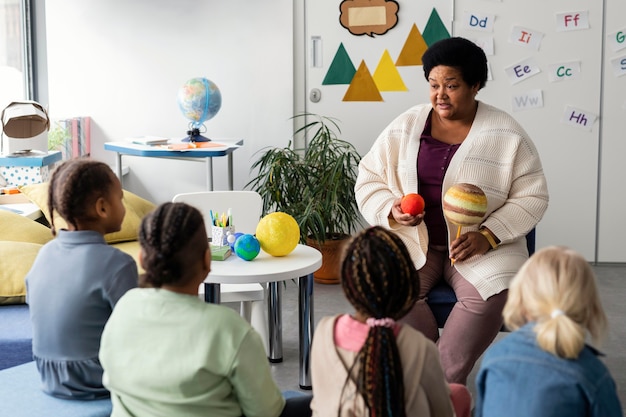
[(246, 209)]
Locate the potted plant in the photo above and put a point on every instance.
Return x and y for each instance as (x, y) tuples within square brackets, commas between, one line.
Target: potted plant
[(315, 185)]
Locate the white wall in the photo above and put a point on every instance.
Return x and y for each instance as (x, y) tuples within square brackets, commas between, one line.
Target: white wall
[(122, 63)]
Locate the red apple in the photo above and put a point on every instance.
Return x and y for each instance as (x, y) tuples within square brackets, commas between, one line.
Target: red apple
[(412, 204)]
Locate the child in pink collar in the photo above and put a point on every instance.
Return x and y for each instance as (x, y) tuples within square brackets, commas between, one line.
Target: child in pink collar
[(367, 364)]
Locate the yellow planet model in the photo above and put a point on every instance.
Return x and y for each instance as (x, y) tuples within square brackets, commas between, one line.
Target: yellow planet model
[(278, 233)]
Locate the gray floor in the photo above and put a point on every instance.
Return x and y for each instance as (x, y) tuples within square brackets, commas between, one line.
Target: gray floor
[(329, 300)]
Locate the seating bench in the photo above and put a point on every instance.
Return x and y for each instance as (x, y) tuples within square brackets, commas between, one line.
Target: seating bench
[(21, 396), (16, 336)]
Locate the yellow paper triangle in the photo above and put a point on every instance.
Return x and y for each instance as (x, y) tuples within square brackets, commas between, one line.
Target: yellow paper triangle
[(362, 87), (386, 76), (413, 49)]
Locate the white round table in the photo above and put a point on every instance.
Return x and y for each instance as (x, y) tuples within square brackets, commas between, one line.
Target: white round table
[(301, 263)]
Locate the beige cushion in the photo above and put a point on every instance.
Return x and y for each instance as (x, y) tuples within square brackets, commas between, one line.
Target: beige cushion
[(136, 209), (16, 228), (16, 258)]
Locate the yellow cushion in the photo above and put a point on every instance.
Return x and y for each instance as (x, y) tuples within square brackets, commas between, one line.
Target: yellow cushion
[(133, 249), (16, 258), (136, 209), (16, 228)]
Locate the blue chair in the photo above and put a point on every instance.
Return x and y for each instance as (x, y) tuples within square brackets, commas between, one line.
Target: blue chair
[(442, 298)]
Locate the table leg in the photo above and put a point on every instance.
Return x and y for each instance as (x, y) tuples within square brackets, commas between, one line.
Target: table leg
[(306, 326), (118, 168), (230, 171), (212, 293), (209, 173), (275, 321)]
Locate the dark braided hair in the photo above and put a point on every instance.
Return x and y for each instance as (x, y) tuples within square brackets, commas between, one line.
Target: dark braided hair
[(75, 185), (459, 53), (380, 281), (172, 239)]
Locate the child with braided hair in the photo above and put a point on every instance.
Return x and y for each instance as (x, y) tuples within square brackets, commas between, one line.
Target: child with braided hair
[(544, 368), (77, 278), (367, 364), (167, 353)]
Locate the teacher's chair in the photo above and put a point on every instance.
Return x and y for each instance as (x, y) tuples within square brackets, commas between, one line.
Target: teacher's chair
[(441, 298)]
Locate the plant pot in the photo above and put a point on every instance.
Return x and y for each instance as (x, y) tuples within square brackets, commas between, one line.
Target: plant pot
[(332, 254)]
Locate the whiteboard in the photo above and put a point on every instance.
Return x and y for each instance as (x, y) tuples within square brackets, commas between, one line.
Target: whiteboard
[(569, 152)]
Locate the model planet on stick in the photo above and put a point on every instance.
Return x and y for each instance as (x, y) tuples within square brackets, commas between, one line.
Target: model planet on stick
[(464, 205), (412, 204)]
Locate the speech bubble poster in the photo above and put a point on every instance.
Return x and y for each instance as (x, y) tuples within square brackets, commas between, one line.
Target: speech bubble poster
[(368, 17)]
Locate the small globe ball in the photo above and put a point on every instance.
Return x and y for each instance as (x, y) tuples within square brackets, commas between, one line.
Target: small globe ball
[(247, 247), (278, 233), (232, 239)]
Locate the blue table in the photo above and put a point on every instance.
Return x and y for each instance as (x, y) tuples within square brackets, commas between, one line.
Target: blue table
[(128, 148)]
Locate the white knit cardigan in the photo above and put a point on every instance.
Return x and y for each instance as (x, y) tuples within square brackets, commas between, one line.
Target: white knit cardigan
[(497, 155)]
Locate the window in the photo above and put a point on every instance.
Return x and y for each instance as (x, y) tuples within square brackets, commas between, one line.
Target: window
[(15, 51)]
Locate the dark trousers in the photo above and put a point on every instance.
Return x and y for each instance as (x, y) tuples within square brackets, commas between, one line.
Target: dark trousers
[(472, 324)]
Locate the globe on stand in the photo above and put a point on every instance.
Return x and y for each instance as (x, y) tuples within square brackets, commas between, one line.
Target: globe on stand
[(199, 100)]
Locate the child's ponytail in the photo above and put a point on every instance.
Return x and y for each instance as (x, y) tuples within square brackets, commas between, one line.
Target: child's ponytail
[(560, 335)]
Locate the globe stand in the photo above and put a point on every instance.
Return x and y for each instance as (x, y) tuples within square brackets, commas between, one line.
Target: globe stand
[(194, 135)]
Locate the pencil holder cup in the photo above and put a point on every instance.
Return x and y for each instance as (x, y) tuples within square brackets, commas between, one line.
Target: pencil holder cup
[(219, 235)]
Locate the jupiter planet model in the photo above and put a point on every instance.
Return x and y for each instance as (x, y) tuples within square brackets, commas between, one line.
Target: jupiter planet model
[(464, 204)]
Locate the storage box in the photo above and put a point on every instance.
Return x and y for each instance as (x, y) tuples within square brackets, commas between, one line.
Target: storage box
[(25, 170), (25, 127)]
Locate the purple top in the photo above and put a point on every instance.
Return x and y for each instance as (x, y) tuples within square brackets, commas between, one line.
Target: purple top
[(432, 163)]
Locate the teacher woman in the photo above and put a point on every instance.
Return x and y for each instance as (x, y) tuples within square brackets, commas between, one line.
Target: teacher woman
[(427, 149)]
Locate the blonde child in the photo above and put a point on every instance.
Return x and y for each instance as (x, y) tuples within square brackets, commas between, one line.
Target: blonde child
[(77, 279), (367, 364), (544, 368), (167, 353)]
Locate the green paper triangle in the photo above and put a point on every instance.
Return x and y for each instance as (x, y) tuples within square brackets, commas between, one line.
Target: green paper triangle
[(435, 30), (341, 70)]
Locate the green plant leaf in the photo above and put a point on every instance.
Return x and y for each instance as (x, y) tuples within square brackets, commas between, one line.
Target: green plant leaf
[(316, 186)]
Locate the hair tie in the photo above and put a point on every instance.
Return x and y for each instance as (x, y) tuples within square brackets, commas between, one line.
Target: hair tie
[(384, 322), (557, 312)]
